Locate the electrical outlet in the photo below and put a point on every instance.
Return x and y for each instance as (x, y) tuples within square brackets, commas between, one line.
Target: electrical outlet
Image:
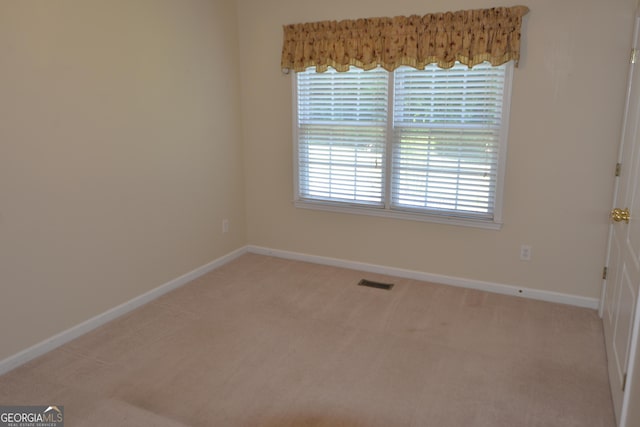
[(225, 225), (525, 253)]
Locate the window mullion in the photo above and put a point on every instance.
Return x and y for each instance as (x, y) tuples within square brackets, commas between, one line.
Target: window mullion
[(388, 157)]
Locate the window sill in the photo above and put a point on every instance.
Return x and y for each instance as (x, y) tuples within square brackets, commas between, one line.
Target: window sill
[(388, 213)]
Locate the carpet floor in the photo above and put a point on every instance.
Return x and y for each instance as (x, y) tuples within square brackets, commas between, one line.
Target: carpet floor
[(267, 342)]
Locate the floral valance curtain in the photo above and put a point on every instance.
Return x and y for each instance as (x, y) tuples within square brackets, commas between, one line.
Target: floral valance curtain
[(468, 36)]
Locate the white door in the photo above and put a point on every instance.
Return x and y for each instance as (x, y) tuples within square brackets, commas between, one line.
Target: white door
[(620, 297)]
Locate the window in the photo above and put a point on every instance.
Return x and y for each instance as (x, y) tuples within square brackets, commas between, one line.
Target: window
[(417, 144)]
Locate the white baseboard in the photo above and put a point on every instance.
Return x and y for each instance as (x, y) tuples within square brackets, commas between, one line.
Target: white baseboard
[(498, 288), (65, 336)]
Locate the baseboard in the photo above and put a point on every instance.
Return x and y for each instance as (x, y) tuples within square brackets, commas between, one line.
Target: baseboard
[(498, 288), (63, 337)]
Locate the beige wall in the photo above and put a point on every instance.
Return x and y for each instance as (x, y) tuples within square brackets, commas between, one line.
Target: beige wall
[(120, 154), (565, 119)]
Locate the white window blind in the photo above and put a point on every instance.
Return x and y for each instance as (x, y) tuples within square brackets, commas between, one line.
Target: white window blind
[(424, 143), (342, 136), (447, 127)]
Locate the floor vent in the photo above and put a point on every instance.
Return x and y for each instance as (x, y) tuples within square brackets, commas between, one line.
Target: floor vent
[(378, 285)]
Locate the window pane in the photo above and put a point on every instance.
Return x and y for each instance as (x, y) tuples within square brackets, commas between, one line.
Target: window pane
[(342, 135), (446, 139)]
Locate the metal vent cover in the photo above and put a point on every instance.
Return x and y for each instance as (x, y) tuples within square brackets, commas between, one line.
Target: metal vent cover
[(377, 285)]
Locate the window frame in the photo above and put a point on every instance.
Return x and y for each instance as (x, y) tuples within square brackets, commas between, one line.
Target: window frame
[(409, 214)]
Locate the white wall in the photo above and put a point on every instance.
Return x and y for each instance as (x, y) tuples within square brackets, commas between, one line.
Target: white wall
[(120, 154), (566, 111)]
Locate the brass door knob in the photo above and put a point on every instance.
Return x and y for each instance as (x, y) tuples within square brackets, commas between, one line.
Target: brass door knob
[(620, 215)]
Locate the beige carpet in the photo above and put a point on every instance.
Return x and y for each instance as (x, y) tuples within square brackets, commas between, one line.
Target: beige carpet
[(265, 342)]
